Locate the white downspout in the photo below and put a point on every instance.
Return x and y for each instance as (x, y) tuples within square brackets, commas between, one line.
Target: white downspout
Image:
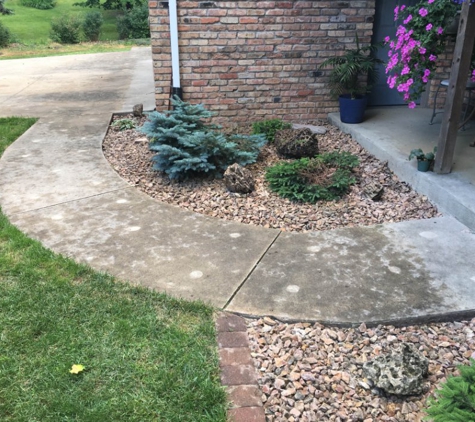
[(176, 86)]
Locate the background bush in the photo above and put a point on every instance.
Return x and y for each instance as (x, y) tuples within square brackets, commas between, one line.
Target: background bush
[(39, 4), (134, 23), (66, 29), (91, 25), (269, 128), (4, 10), (5, 36), (188, 147), (326, 177)]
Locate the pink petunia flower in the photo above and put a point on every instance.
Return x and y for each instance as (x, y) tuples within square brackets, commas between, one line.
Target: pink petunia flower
[(412, 104), (430, 1), (428, 27), (432, 58), (407, 20), (440, 30), (387, 39), (423, 12)]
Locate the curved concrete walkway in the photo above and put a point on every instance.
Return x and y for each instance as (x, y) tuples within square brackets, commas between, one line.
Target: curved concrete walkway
[(56, 186)]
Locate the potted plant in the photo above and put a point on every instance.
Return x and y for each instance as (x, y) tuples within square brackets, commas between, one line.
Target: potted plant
[(424, 160), (348, 83)]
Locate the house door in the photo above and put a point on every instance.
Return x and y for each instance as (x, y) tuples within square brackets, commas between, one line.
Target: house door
[(384, 25)]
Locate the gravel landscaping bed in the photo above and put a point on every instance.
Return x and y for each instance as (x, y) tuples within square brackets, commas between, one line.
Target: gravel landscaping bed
[(309, 372), (128, 153)]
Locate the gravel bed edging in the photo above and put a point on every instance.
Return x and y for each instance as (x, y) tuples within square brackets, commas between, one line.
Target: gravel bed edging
[(238, 372)]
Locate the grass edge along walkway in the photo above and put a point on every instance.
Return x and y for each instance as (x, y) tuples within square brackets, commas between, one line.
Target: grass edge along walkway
[(146, 356)]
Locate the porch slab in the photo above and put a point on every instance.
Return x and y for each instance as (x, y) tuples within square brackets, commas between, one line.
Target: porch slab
[(390, 133)]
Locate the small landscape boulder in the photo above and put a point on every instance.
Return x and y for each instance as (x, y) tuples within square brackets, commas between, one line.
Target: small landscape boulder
[(238, 179), (291, 143), (138, 110), (401, 372)]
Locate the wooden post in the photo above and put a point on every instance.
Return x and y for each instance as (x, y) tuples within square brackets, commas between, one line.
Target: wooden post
[(456, 89)]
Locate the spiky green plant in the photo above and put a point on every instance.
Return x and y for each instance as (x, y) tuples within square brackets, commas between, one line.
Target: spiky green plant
[(348, 71)]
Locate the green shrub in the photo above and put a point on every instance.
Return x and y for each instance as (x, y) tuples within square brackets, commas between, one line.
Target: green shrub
[(39, 4), (4, 10), (326, 177), (124, 124), (5, 36), (134, 23), (66, 29), (186, 146), (269, 128), (91, 25), (455, 401)]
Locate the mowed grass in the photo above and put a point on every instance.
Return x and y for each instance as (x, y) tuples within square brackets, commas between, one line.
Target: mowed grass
[(30, 29), (147, 356), (32, 26)]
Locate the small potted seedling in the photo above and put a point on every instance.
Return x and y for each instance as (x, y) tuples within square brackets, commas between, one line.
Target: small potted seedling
[(424, 160)]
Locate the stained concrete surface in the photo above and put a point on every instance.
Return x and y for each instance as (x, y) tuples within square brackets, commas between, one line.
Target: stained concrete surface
[(381, 273), (56, 186)]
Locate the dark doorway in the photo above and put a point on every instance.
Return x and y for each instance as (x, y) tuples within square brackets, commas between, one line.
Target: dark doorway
[(384, 25)]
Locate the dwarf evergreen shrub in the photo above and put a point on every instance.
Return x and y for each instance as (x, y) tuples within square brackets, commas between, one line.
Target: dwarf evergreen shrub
[(4, 10), (134, 23), (186, 146), (269, 128), (326, 177), (5, 36), (66, 29), (91, 25), (39, 4), (455, 401)]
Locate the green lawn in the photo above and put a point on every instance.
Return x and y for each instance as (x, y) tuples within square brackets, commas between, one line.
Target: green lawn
[(32, 26), (147, 357)]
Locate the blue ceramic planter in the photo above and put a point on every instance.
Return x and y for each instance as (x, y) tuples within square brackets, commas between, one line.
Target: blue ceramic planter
[(352, 110)]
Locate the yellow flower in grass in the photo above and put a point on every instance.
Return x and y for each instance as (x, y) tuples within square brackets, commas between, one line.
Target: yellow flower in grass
[(76, 369)]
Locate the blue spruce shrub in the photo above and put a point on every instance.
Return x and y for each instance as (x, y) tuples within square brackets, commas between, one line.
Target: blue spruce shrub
[(186, 146)]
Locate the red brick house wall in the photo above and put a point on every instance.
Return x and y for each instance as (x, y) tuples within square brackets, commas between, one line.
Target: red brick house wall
[(249, 60)]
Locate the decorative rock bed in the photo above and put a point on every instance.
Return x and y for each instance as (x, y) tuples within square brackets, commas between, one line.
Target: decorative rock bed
[(128, 153)]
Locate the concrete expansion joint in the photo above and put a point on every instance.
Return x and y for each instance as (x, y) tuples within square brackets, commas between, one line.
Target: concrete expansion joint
[(251, 271), (238, 374), (72, 201)]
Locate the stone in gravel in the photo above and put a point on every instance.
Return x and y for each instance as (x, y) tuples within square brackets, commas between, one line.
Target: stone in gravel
[(138, 110), (290, 143), (401, 372), (238, 179), (315, 129), (373, 191)]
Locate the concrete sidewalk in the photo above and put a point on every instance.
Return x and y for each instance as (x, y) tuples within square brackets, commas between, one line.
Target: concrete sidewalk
[(56, 186)]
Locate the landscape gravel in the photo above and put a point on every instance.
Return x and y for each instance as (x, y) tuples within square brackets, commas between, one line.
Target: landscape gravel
[(310, 372), (128, 153)]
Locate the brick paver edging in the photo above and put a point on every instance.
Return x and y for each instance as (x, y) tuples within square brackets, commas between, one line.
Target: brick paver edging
[(238, 373)]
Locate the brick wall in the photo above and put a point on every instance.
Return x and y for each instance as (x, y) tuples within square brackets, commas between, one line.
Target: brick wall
[(249, 60)]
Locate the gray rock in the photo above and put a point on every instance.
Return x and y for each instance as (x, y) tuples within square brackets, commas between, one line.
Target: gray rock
[(374, 190), (401, 372), (320, 130), (290, 143), (138, 110), (238, 179)]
